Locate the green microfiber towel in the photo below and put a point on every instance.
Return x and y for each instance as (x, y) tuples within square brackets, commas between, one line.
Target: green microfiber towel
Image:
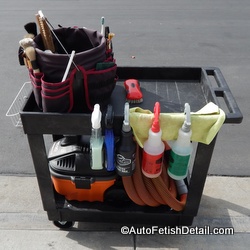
[(205, 123)]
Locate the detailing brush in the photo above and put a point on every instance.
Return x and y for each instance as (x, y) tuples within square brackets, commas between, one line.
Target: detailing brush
[(31, 28), (31, 33), (25, 43), (102, 26), (45, 32), (133, 90), (31, 54)]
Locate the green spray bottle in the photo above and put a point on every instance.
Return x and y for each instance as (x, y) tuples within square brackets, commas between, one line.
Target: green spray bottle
[(181, 149), (96, 140)]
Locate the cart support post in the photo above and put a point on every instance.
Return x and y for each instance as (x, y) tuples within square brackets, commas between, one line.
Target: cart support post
[(198, 177), (39, 156)]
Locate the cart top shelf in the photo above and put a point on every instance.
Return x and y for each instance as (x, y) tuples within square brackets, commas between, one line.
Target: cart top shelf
[(171, 86)]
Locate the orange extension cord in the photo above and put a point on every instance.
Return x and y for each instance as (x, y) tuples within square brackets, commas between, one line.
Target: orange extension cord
[(152, 192)]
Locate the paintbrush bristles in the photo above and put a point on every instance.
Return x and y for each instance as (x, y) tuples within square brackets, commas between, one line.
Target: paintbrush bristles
[(31, 28), (26, 42)]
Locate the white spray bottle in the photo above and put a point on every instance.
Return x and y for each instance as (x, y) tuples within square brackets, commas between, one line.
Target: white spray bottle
[(181, 149), (96, 139)]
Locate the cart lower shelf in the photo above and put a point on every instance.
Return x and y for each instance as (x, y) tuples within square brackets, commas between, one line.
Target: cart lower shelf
[(129, 214)]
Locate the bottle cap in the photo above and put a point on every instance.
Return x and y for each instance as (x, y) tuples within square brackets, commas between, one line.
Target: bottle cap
[(156, 126)]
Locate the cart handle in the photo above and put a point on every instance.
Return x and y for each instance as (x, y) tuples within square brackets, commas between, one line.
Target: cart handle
[(234, 114)]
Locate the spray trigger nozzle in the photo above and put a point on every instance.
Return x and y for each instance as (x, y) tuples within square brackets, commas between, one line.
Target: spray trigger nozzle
[(187, 122), (126, 126), (96, 117), (156, 126)]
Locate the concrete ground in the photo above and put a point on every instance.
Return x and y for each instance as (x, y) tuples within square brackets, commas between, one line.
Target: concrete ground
[(24, 224), (147, 33)]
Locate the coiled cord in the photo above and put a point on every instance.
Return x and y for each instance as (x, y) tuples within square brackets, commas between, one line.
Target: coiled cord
[(153, 192)]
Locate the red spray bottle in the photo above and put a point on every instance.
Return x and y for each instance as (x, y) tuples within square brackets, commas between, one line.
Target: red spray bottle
[(153, 148)]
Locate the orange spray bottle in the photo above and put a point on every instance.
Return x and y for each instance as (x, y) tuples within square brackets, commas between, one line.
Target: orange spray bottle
[(153, 148)]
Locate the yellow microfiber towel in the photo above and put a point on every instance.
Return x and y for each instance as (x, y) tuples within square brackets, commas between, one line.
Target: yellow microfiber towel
[(205, 123)]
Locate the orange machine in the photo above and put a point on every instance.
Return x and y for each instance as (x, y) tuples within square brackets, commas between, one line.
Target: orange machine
[(72, 175)]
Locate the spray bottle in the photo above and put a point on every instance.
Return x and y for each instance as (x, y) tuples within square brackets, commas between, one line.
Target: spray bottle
[(126, 148), (181, 149), (96, 139), (109, 140), (153, 148)]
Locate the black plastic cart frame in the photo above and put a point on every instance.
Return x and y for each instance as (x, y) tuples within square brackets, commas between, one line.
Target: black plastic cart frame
[(184, 84)]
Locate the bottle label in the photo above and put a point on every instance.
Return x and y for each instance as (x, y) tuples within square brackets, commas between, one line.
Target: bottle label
[(125, 166), (151, 164), (178, 164)]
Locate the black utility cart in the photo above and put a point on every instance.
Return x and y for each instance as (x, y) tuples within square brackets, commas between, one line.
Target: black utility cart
[(195, 85)]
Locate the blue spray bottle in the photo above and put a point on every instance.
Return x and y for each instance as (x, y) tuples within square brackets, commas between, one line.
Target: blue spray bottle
[(109, 140)]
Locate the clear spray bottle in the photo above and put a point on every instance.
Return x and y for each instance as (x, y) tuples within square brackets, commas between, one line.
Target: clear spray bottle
[(181, 149), (96, 139), (153, 148)]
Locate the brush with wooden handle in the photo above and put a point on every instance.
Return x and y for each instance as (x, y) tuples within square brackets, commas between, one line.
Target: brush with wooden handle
[(31, 33), (31, 29), (31, 54), (26, 42), (28, 45), (45, 32)]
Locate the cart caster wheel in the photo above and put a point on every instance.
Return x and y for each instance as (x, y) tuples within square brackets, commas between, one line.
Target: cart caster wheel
[(64, 224)]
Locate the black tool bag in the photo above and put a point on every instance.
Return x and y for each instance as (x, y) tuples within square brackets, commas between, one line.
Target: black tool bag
[(92, 76)]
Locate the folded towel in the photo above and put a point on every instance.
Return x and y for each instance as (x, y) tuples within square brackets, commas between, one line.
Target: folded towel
[(205, 123)]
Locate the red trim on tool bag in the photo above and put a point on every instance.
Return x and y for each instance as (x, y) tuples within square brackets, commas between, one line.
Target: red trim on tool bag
[(54, 97), (55, 92), (36, 79), (56, 85), (56, 101), (36, 86), (86, 88), (101, 82)]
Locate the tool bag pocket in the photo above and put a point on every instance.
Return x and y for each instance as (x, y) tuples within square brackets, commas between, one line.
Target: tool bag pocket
[(78, 93), (98, 86), (57, 97), (36, 86)]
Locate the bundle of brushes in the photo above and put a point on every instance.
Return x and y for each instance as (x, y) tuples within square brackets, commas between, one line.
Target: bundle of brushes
[(27, 53), (31, 33), (27, 49), (30, 54)]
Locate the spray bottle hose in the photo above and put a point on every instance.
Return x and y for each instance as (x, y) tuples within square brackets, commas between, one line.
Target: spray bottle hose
[(152, 192)]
